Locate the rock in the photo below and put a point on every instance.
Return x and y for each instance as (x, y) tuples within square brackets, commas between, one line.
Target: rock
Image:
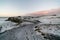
[(54, 15), (36, 26), (32, 21), (20, 20), (36, 21), (14, 19), (0, 28), (52, 37)]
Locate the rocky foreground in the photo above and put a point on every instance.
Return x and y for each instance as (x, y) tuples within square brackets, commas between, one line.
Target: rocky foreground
[(31, 28)]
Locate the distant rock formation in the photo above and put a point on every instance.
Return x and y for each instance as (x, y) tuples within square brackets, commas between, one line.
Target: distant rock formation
[(14, 19), (21, 19)]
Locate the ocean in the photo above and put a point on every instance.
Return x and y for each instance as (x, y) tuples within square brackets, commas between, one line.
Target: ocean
[(5, 25)]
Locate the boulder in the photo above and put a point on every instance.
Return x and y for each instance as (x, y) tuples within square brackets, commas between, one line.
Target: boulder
[(14, 19)]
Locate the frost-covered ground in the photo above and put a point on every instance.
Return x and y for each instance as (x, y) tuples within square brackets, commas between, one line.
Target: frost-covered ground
[(47, 29)]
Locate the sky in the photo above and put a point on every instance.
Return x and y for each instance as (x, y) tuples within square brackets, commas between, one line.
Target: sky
[(22, 7)]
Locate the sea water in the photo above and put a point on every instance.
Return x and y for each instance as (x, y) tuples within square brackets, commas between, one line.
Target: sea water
[(6, 25)]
